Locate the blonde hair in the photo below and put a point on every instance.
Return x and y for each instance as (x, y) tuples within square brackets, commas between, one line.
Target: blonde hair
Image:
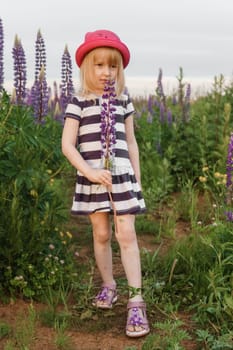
[(86, 69)]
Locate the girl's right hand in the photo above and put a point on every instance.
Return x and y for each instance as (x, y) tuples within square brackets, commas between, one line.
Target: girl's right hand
[(101, 176)]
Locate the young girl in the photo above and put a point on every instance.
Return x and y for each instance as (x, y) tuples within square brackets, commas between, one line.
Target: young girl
[(98, 139)]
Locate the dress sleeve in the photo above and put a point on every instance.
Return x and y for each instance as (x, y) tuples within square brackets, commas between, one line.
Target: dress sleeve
[(73, 109), (129, 107)]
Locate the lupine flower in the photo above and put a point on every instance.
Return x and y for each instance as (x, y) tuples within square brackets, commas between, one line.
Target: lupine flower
[(187, 102), (150, 104), (169, 117), (229, 215), (149, 118), (159, 88), (40, 97), (1, 55), (67, 87), (174, 100), (108, 121), (20, 74), (40, 55), (39, 91), (161, 112)]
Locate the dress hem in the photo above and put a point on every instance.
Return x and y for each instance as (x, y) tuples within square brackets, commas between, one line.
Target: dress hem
[(133, 211)]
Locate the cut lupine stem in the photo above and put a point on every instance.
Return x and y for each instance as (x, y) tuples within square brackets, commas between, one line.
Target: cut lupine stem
[(108, 134)]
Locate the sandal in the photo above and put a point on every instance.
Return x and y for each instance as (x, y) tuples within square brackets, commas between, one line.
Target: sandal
[(106, 297), (137, 323)]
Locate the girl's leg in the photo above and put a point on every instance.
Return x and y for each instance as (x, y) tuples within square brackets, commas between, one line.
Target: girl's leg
[(130, 256), (102, 234), (137, 323)]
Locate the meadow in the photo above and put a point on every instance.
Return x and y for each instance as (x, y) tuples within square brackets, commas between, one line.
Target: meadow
[(46, 259)]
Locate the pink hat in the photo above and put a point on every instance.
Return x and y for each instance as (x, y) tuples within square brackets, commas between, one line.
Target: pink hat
[(102, 38)]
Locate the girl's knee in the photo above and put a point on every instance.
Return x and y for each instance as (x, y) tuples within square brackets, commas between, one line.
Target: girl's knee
[(126, 237), (102, 236)]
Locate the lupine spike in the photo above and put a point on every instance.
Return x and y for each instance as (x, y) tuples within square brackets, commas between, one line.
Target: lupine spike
[(187, 102), (40, 96), (20, 73), (39, 92), (67, 87), (108, 121), (40, 55), (159, 88), (1, 54)]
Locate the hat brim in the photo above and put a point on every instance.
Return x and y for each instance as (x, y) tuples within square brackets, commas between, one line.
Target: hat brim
[(88, 46)]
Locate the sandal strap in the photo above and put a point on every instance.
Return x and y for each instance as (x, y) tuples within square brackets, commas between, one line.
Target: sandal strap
[(136, 304), (103, 294)]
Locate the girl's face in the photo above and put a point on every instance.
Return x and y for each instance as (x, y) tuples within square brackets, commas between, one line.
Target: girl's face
[(103, 70)]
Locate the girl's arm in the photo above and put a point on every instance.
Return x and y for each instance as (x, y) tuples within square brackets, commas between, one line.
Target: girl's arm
[(133, 147), (69, 140)]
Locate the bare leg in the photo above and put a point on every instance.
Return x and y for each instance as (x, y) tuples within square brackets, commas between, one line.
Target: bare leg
[(102, 234), (137, 324), (130, 255)]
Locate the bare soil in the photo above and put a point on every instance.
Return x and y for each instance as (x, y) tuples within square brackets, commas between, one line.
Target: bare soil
[(87, 335)]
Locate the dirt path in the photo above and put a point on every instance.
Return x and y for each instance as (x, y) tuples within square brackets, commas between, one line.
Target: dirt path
[(111, 332)]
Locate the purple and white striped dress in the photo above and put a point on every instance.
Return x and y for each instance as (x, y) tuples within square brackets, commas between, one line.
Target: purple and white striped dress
[(92, 197)]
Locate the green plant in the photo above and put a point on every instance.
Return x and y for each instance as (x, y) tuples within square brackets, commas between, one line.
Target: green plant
[(24, 332), (62, 340), (10, 345), (31, 205), (211, 342), (5, 329), (169, 336)]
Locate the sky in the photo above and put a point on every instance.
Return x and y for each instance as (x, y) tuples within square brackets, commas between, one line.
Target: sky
[(196, 35)]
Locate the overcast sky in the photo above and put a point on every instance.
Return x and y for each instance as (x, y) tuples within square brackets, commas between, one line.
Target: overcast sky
[(196, 35)]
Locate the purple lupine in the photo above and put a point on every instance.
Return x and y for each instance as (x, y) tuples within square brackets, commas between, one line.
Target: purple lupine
[(149, 118), (107, 125), (187, 102), (174, 100), (40, 55), (229, 215), (169, 117), (161, 112), (20, 73), (67, 87), (150, 104), (159, 88), (1, 55), (40, 96)]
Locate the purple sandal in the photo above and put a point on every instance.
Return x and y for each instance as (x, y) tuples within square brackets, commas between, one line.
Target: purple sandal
[(106, 297), (137, 319)]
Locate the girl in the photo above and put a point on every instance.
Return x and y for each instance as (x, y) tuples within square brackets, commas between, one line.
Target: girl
[(98, 139)]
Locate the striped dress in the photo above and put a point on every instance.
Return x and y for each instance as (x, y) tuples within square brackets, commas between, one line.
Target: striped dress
[(125, 191)]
